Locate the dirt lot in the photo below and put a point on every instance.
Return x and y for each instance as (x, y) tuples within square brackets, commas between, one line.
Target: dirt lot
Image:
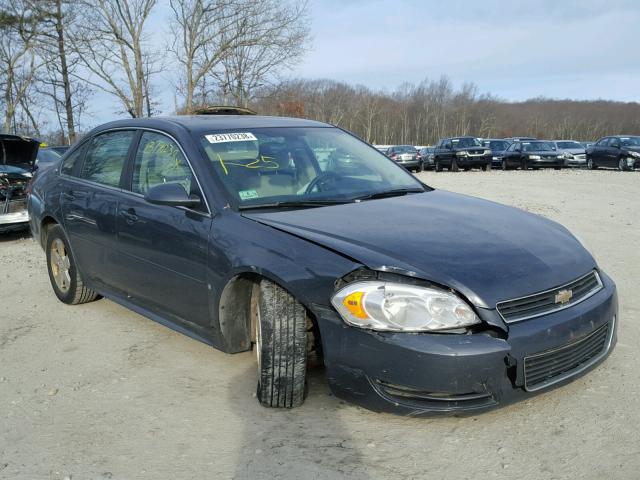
[(98, 392)]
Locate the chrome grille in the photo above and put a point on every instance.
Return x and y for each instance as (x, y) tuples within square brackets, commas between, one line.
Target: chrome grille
[(555, 365), (551, 300)]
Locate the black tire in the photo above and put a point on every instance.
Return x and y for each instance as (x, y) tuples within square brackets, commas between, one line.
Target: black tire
[(591, 164), (622, 164), (523, 165), (454, 166), (438, 166), (420, 167), (65, 279), (281, 347), (557, 168), (486, 167), (504, 165)]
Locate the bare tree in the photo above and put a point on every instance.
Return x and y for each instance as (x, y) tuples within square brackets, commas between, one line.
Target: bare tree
[(18, 60), (203, 32), (275, 37), (112, 44)]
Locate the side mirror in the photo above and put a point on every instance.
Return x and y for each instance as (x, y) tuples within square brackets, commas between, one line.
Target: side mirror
[(171, 194)]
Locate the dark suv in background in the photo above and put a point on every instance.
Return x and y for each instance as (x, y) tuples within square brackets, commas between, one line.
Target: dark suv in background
[(621, 152), (461, 152)]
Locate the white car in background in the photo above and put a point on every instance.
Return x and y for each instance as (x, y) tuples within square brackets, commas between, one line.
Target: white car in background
[(574, 152)]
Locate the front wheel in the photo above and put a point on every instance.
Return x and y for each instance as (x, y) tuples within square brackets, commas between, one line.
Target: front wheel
[(591, 165), (438, 166), (622, 164), (281, 347), (504, 165), (523, 165), (65, 278), (454, 165), (486, 167)]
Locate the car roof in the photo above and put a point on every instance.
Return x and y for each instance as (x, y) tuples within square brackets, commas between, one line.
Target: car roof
[(201, 123)]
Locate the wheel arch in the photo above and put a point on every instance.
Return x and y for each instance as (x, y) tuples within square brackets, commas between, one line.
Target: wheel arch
[(236, 307)]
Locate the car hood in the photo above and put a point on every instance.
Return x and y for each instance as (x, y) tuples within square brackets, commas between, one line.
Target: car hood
[(572, 151), (633, 149), (487, 251), (18, 151)]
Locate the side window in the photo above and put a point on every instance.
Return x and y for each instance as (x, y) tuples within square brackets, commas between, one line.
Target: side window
[(106, 156), (69, 163), (447, 144), (159, 160), (603, 142)]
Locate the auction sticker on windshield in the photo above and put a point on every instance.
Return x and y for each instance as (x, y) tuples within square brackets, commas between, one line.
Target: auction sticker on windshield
[(231, 137)]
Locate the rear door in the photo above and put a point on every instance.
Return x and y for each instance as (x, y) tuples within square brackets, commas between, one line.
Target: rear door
[(610, 157), (91, 187), (164, 248)]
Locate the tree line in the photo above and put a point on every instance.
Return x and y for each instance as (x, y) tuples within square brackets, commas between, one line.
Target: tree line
[(56, 54), (433, 109)]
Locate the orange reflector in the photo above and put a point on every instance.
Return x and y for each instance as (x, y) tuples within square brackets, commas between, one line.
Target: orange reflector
[(354, 303)]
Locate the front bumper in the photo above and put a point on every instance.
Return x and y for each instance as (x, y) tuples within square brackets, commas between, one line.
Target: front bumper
[(427, 374), (472, 162), (546, 163), (13, 215)]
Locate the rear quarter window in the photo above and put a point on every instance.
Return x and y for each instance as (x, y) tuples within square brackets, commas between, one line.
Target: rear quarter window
[(106, 156)]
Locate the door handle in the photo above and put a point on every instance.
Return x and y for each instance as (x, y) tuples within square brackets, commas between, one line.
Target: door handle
[(129, 215)]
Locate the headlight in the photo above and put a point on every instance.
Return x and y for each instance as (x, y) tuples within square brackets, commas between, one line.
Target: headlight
[(634, 154), (398, 307), (534, 157), (487, 152), (461, 154), (568, 156), (495, 158)]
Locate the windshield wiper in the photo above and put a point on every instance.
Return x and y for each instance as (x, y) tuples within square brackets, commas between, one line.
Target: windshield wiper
[(295, 204), (398, 192)]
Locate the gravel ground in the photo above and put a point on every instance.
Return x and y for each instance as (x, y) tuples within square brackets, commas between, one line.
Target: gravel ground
[(98, 392)]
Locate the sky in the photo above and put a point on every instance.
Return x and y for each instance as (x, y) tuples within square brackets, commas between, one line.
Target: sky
[(579, 49), (514, 49)]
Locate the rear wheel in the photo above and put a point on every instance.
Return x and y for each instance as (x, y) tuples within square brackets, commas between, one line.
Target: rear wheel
[(454, 165), (281, 347), (65, 279)]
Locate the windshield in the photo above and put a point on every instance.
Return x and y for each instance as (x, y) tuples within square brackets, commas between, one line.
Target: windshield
[(465, 142), (630, 141), (568, 145), (270, 165), (537, 147), (47, 156), (497, 145)]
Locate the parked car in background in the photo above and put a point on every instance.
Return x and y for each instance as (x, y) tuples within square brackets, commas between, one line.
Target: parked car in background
[(17, 165), (405, 155), (520, 139), (47, 157), (574, 152), (60, 149), (229, 229), (461, 152), (382, 148), (532, 154), (426, 154), (586, 144), (620, 151), (498, 147)]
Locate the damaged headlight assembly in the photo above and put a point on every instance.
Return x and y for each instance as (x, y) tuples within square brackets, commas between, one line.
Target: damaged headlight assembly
[(388, 306)]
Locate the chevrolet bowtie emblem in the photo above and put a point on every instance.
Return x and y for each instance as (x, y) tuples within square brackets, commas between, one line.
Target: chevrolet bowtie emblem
[(563, 296)]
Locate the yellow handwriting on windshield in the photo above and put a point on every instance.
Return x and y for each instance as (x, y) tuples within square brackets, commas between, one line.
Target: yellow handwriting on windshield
[(262, 162)]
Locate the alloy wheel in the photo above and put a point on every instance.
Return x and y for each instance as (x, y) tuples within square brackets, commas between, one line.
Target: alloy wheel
[(60, 265)]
